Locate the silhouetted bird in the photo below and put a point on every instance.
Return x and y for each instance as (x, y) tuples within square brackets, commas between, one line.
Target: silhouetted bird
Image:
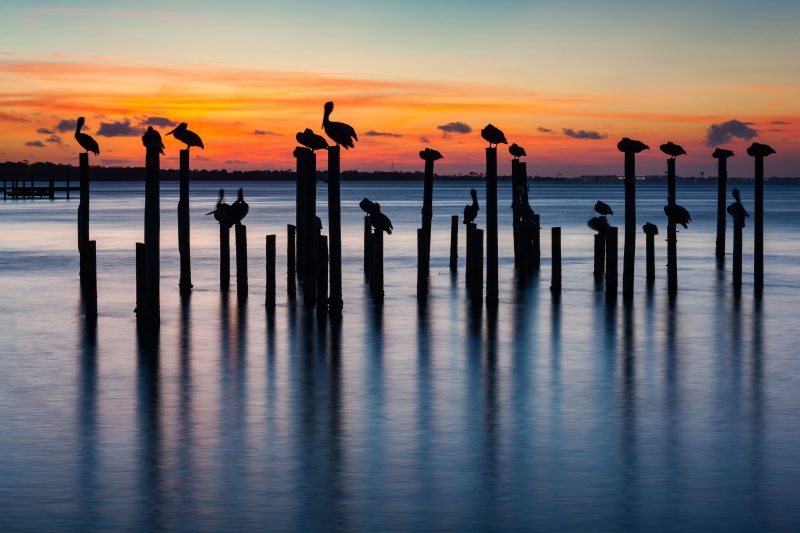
[(151, 140), (672, 149), (603, 208), (650, 229), (429, 154), (237, 211), (86, 141), (220, 211), (309, 139), (471, 210), (677, 214), (737, 210), (377, 220), (523, 209), (599, 224), (368, 206), (758, 149), (721, 153), (629, 145), (493, 136), (517, 151), (188, 137), (339, 132)]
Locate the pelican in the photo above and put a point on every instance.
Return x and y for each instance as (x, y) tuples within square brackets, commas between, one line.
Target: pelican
[(237, 211), (311, 140), (429, 154), (517, 151), (220, 211), (737, 210), (721, 153), (493, 136), (650, 229), (603, 208), (599, 224), (672, 149), (524, 210), (677, 214), (85, 140), (628, 145), (151, 140), (760, 150), (188, 137), (368, 206), (471, 210), (339, 132), (377, 220)]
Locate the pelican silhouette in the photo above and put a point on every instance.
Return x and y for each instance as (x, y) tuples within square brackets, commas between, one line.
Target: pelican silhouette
[(339, 132), (471, 210), (677, 214), (650, 229), (188, 137), (428, 154), (721, 153), (151, 140), (603, 208), (599, 224), (629, 145), (737, 210), (311, 140), (86, 141), (517, 151), (673, 150), (377, 220), (493, 135), (237, 211), (220, 211), (760, 150), (368, 206)]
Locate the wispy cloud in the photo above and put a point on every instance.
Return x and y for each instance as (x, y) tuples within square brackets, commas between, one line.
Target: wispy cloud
[(424, 140), (118, 129), (159, 122), (455, 127), (235, 162), (267, 132), (583, 134), (45, 131), (66, 125), (53, 139), (35, 144), (373, 133), (722, 133), (544, 130)]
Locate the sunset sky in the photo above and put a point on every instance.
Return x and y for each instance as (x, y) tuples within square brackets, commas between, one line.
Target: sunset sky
[(564, 79)]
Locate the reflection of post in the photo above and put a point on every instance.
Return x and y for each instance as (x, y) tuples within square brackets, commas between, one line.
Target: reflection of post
[(241, 261), (555, 284), (629, 256), (599, 256), (270, 298), (90, 280), (152, 229), (453, 243), (185, 283), (491, 227), (224, 257), (722, 180), (611, 262), (672, 232), (335, 303)]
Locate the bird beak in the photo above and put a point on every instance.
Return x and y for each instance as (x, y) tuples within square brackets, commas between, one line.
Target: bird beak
[(170, 133)]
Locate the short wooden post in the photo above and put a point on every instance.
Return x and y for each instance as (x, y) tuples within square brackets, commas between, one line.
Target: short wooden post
[(67, 187), (299, 197), (269, 301), (321, 261), (611, 263), (224, 258), (672, 233), (83, 205), (476, 269), (185, 283), (454, 243), (4, 189), (470, 247), (90, 283), (515, 218), (629, 258), (377, 265), (737, 255), (758, 229), (291, 286), (599, 256), (650, 267), (367, 247), (51, 185), (335, 303), (491, 227), (152, 234), (241, 260), (722, 181), (555, 246), (140, 283)]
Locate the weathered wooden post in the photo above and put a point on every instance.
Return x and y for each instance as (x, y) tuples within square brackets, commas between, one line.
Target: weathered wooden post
[(185, 283), (321, 262), (335, 303), (140, 283), (515, 218), (83, 203), (470, 247), (721, 156), (424, 236), (672, 232), (377, 265), (367, 248), (630, 148), (224, 257), (269, 300), (535, 246), (90, 280), (491, 227), (476, 268), (67, 187), (759, 152), (299, 205), (152, 225), (599, 256), (241, 260), (555, 246), (650, 231), (611, 263), (291, 286), (454, 243), (51, 186)]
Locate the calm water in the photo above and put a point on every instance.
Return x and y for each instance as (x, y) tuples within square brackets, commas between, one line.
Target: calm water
[(572, 416)]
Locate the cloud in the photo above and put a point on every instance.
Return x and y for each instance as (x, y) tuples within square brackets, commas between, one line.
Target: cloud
[(160, 122), (53, 139), (45, 131), (779, 122), (544, 130), (66, 125), (118, 129), (373, 133), (235, 162), (267, 132), (722, 133), (424, 140), (35, 144), (455, 127), (582, 134)]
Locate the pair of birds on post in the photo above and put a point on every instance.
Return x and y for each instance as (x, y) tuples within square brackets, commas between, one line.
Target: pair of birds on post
[(600, 223), (494, 136), (339, 132), (230, 215), (151, 138), (377, 220)]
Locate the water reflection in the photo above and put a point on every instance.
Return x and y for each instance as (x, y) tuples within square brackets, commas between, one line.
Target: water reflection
[(152, 494), (87, 430)]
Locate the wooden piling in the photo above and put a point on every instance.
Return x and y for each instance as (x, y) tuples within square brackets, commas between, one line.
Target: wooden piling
[(367, 248), (241, 261), (599, 256), (611, 262), (224, 258), (737, 255), (555, 246), (650, 267), (291, 285), (185, 283), (722, 181), (471, 227), (269, 300), (90, 280), (321, 261), (454, 243), (335, 303), (629, 256), (422, 285), (152, 235), (475, 286), (424, 237), (377, 266), (140, 283), (515, 218), (83, 205), (672, 232), (67, 187), (758, 226), (535, 246), (491, 227), (51, 185)]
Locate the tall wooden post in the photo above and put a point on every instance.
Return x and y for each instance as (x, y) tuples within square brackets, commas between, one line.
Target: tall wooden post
[(629, 257), (453, 243), (335, 303), (51, 186), (367, 247), (650, 266), (758, 230), (672, 232), (737, 255), (722, 181), (299, 206), (377, 265), (321, 262), (475, 257), (536, 245), (152, 233), (83, 205), (491, 227), (90, 282), (269, 300), (185, 283), (515, 218), (424, 237), (224, 258), (291, 286), (599, 256), (140, 283), (555, 284), (241, 261), (471, 227), (611, 263)]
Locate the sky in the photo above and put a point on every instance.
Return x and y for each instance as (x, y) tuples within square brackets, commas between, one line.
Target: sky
[(564, 79)]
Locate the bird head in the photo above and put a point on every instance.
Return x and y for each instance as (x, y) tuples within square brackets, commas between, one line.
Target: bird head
[(473, 193), (736, 194), (221, 194), (328, 111), (721, 153), (181, 126), (81, 121)]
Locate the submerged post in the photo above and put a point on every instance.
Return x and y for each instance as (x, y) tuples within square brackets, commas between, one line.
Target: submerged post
[(291, 286), (241, 261), (269, 300), (185, 284), (722, 182), (367, 247), (611, 263), (335, 303), (650, 231), (377, 265), (321, 260), (759, 152), (454, 243), (737, 255), (140, 284), (90, 283), (555, 246), (491, 227), (471, 227), (599, 256)]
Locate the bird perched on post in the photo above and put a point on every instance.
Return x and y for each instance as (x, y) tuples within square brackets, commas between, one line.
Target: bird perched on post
[(339, 132), (237, 211), (673, 150), (603, 208), (220, 211), (428, 154), (377, 220), (517, 151), (599, 224), (311, 140), (151, 140), (471, 210), (737, 210), (759, 150), (493, 136), (676, 213), (85, 140), (650, 229), (629, 145), (721, 153), (188, 137)]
